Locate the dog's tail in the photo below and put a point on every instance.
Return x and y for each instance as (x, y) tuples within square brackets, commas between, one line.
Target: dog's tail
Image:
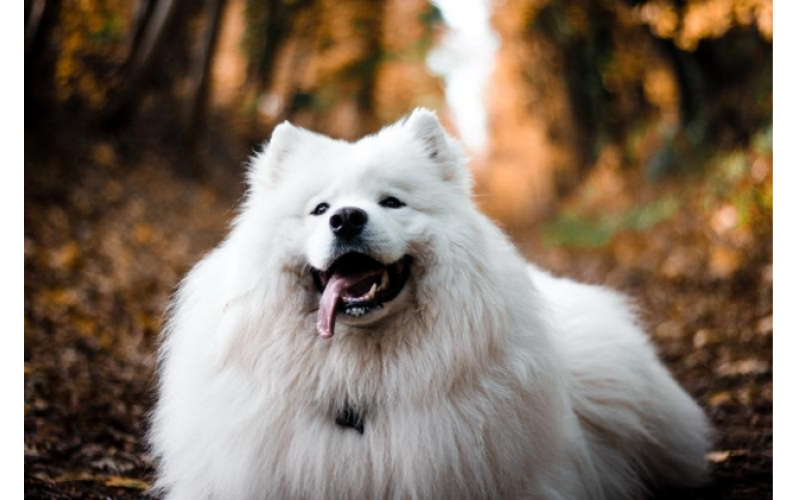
[(640, 428), (650, 435)]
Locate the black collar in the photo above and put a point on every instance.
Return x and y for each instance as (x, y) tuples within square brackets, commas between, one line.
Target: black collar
[(350, 417)]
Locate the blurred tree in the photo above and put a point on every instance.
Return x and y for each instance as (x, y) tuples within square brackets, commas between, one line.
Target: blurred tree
[(97, 56), (341, 66), (41, 17), (658, 80), (646, 82), (153, 20)]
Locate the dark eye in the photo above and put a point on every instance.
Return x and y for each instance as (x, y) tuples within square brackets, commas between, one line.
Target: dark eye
[(320, 209), (391, 202)]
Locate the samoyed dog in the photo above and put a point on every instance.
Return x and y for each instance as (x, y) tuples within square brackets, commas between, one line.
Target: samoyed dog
[(364, 332)]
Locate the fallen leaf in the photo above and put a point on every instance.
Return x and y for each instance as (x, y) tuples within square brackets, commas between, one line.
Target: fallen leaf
[(104, 154), (127, 482), (724, 262), (766, 274), (705, 337), (65, 256), (669, 330), (82, 476), (723, 455), (744, 367), (112, 481), (721, 398), (764, 326)]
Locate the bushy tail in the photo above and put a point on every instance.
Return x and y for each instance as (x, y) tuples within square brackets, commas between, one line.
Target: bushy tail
[(642, 431)]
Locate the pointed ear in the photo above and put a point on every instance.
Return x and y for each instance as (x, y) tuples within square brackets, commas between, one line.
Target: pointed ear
[(267, 166), (440, 147), (425, 127)]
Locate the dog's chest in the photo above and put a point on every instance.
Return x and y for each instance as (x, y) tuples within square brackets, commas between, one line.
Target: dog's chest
[(357, 452)]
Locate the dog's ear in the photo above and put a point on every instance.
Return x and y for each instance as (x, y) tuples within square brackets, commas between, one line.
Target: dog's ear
[(425, 128), (267, 166), (439, 146)]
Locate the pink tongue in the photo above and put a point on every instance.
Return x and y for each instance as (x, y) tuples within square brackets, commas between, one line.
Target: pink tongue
[(337, 284)]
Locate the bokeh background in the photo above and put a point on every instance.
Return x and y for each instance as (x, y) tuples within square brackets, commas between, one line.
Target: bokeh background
[(625, 142)]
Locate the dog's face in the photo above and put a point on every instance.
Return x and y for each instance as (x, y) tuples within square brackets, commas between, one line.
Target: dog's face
[(359, 219)]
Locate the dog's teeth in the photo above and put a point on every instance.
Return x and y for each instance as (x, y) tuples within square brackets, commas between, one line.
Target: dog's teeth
[(371, 294)]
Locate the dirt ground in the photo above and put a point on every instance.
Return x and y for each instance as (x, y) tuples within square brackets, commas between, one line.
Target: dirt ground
[(109, 231)]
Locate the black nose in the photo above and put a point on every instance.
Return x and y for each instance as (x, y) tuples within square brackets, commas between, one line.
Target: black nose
[(348, 222)]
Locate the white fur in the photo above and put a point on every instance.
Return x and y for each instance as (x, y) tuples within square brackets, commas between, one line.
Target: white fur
[(485, 378)]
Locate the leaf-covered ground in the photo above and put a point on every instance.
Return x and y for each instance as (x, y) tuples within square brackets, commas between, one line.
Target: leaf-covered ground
[(109, 231)]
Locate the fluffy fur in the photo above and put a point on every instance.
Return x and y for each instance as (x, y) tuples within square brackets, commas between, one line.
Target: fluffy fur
[(485, 378)]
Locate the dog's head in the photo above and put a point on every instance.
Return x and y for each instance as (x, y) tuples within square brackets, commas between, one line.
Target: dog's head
[(360, 221)]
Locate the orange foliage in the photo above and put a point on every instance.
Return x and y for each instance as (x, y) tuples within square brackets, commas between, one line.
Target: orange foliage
[(91, 31), (704, 19)]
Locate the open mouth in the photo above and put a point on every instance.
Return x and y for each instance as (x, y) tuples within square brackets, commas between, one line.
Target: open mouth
[(357, 285)]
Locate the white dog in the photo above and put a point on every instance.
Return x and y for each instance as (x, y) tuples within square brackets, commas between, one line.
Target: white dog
[(365, 332)]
